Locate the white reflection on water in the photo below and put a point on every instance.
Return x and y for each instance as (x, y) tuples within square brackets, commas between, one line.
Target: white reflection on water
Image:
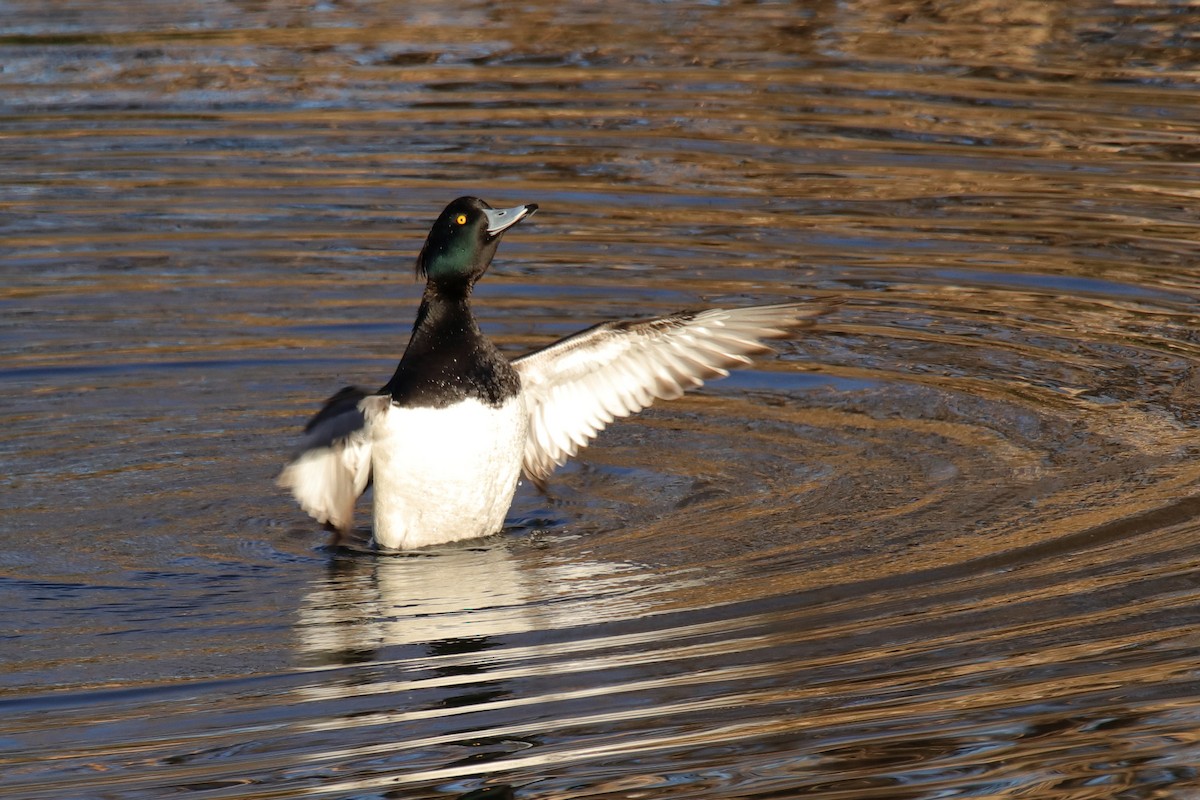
[(370, 603), (462, 600), (441, 631)]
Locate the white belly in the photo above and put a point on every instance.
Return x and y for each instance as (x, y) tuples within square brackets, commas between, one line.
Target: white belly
[(443, 474)]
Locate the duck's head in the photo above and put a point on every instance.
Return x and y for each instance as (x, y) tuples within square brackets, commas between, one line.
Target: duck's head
[(461, 243)]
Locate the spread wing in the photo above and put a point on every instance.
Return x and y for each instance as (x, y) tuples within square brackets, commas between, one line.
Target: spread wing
[(576, 386), (332, 464)]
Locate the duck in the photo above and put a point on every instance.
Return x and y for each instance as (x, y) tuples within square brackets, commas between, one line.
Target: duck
[(445, 441)]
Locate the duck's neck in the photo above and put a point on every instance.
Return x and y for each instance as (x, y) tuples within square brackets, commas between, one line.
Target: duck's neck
[(443, 317), (448, 359)]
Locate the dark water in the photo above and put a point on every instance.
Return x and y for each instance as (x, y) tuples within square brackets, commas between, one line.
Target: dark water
[(943, 547)]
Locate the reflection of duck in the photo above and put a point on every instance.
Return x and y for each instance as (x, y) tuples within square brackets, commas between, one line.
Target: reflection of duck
[(459, 599), (389, 625), (443, 600), (422, 667), (446, 439)]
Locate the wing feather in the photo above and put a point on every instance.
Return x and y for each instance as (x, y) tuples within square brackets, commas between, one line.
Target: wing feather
[(332, 464), (575, 387)]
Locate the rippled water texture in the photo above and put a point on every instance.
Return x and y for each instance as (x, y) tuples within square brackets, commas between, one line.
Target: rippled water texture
[(943, 546)]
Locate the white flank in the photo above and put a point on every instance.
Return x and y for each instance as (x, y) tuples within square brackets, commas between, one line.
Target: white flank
[(444, 474)]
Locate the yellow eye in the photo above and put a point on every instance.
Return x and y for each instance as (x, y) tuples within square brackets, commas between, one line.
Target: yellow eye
[(461, 219)]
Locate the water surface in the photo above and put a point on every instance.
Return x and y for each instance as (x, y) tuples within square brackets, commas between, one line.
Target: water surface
[(944, 546)]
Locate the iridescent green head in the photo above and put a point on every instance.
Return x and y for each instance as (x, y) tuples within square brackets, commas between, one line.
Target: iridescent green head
[(461, 243)]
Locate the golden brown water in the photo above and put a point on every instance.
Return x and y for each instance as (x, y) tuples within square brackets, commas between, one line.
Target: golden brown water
[(943, 547)]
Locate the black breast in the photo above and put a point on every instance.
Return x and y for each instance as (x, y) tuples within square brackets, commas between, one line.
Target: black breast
[(449, 360)]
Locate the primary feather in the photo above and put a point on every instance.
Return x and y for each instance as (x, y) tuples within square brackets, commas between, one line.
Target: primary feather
[(575, 387)]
